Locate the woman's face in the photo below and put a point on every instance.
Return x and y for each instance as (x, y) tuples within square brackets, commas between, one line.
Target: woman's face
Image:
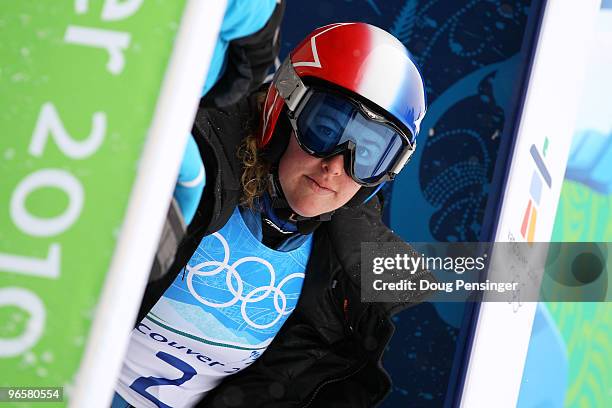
[(314, 186)]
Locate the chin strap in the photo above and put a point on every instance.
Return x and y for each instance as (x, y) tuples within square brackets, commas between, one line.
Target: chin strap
[(281, 208), (376, 190)]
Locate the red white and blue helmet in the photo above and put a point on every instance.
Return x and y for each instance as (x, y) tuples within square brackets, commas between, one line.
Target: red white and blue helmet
[(363, 64)]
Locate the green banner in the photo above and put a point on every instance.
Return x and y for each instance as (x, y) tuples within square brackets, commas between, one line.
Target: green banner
[(79, 82), (583, 216)]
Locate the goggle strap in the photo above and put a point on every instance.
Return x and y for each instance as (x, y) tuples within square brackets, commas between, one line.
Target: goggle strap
[(289, 85), (404, 159)]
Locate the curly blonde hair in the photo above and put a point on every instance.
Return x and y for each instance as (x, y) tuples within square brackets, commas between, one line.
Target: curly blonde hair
[(254, 179)]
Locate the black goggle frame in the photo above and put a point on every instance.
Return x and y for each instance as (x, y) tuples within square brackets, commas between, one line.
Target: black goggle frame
[(296, 95)]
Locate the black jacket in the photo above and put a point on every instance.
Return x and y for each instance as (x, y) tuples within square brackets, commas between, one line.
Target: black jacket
[(328, 352)]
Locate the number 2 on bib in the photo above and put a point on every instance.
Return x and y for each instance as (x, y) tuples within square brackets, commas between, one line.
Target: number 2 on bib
[(141, 384)]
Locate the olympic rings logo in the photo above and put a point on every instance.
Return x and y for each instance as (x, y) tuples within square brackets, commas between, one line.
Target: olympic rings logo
[(233, 275)]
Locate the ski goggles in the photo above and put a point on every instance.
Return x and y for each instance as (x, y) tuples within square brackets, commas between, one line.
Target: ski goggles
[(328, 123)]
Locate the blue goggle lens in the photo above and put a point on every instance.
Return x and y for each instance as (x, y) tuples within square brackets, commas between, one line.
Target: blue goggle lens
[(327, 122)]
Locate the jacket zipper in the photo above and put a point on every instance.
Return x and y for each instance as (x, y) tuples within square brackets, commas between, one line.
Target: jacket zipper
[(326, 382)]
